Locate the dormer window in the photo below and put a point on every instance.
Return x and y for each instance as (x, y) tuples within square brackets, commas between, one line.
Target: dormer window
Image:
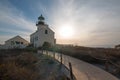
[(46, 31)]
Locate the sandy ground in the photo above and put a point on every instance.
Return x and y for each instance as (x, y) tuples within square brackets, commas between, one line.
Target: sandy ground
[(49, 68)]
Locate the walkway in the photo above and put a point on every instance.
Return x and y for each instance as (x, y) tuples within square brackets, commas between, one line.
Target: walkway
[(83, 70)]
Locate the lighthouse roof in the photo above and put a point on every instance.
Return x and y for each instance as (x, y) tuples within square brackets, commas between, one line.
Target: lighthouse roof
[(41, 17)]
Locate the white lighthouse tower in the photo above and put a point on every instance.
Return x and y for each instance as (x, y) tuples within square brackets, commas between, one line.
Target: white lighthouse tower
[(43, 34)]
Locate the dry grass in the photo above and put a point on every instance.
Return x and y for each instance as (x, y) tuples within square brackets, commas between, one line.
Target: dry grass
[(23, 65), (78, 52), (20, 67), (88, 54)]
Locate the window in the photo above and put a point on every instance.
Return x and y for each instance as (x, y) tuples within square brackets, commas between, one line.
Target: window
[(36, 38), (46, 31), (21, 42), (12, 43), (17, 42)]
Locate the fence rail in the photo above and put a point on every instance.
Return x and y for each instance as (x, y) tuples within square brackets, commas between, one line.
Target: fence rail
[(81, 69), (107, 61)]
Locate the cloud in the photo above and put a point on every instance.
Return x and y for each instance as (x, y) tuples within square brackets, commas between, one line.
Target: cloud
[(95, 22), (13, 21)]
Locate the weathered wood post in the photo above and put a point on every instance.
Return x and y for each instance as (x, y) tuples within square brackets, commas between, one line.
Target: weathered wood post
[(107, 61), (61, 58), (71, 73), (107, 65), (54, 55), (58, 55), (42, 51), (47, 53)]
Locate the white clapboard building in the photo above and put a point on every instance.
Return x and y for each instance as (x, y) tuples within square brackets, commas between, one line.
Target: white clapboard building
[(43, 34), (16, 42)]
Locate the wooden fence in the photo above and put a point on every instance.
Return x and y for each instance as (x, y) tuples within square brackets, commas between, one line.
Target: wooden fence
[(80, 69)]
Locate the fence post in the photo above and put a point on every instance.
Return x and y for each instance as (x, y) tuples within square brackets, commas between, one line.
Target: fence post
[(107, 62), (58, 56), (61, 58), (54, 55), (47, 52), (107, 65), (42, 51), (71, 73)]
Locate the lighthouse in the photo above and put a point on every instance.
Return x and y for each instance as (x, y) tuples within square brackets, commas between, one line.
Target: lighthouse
[(42, 34)]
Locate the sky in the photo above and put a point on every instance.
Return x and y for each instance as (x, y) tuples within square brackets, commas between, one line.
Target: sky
[(93, 23)]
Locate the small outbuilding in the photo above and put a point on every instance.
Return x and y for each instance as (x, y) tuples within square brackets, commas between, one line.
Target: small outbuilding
[(117, 46), (16, 42)]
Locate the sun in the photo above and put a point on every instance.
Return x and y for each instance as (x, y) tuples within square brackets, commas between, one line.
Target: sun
[(66, 32)]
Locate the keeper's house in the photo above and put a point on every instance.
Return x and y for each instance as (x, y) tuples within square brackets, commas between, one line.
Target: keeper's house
[(43, 34), (117, 46), (16, 42)]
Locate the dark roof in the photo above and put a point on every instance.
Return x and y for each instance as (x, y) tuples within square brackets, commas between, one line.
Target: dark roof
[(117, 46), (41, 17)]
